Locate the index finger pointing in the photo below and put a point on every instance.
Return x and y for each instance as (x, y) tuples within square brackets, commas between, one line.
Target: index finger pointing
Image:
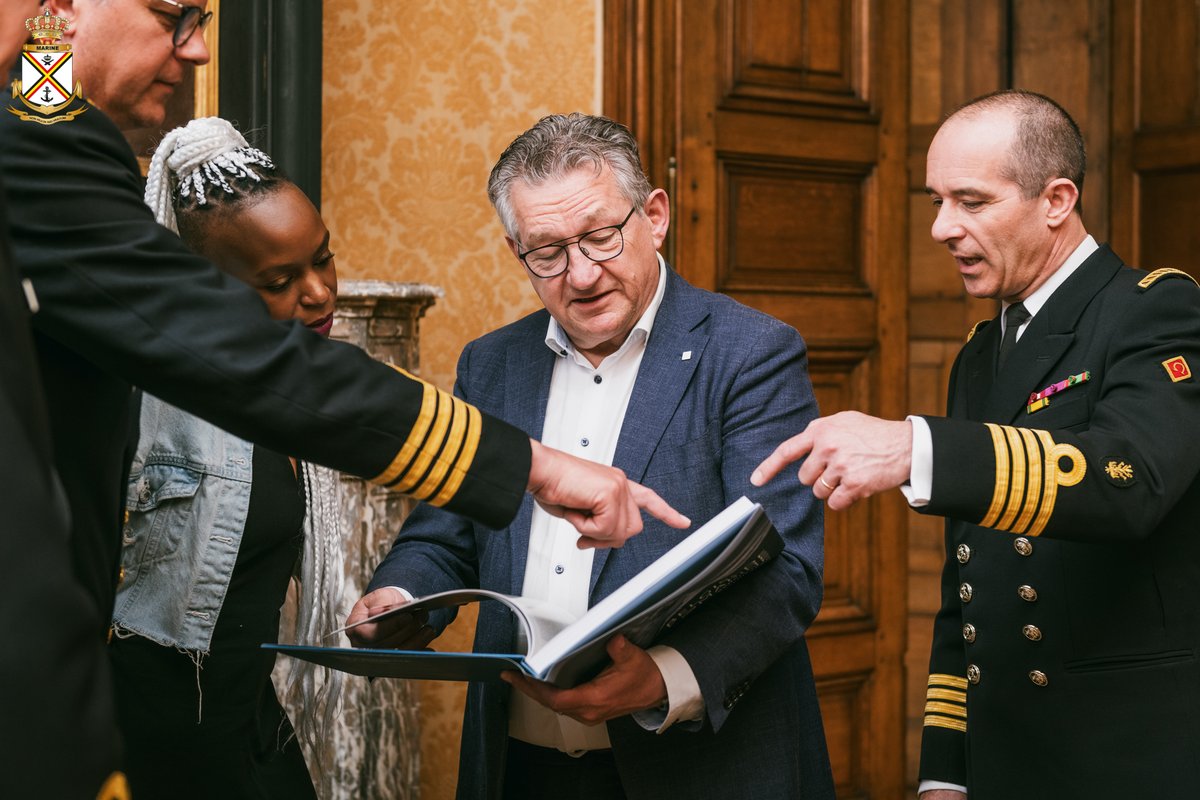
[(793, 449)]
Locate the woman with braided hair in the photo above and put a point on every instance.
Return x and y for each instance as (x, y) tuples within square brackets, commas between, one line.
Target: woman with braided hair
[(216, 525)]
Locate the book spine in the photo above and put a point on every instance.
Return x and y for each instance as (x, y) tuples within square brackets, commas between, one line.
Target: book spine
[(762, 557)]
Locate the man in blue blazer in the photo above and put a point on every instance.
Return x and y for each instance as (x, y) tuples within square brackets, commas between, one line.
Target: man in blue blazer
[(684, 390)]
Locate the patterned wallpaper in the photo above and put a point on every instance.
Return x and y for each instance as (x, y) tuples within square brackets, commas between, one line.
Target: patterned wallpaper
[(418, 104), (419, 101)]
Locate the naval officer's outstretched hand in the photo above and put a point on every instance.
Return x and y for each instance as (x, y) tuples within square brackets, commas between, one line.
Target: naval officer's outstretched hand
[(848, 457), (603, 505)]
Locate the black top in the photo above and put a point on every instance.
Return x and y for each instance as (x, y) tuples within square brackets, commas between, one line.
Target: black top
[(219, 731)]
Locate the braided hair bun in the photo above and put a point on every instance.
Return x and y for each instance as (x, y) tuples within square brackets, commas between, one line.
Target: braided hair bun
[(192, 163)]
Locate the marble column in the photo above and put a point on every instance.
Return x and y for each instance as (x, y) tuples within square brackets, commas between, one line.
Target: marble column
[(374, 748)]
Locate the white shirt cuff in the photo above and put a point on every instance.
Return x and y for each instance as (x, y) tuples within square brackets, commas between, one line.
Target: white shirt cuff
[(408, 596), (919, 488), (929, 786), (685, 703)]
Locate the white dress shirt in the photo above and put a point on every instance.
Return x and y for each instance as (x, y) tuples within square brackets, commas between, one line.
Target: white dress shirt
[(584, 415), (920, 482)]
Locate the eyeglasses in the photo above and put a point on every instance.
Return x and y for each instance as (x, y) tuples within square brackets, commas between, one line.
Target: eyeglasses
[(190, 20), (600, 245)]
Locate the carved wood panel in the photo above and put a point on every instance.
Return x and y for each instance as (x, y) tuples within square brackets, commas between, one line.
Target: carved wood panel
[(779, 126)]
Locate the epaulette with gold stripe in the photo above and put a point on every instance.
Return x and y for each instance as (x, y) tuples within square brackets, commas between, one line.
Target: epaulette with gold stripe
[(946, 702), (438, 452), (1028, 475), (975, 328), (1166, 272)]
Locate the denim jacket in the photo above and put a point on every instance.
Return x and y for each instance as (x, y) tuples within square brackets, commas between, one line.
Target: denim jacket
[(189, 492)]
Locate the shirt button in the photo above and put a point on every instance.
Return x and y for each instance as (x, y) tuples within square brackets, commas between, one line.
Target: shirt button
[(585, 441), (559, 569), (598, 379)]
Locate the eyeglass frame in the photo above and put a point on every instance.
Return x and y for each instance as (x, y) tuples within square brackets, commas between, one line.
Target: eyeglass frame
[(564, 245), (202, 19)]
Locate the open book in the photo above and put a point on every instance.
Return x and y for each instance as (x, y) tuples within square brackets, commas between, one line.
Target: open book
[(564, 651)]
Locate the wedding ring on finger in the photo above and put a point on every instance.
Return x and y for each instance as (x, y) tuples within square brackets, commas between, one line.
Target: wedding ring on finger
[(825, 483)]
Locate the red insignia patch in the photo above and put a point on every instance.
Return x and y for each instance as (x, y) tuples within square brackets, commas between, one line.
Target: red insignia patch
[(1177, 368)]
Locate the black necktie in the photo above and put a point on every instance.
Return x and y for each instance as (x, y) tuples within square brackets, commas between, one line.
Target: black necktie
[(1014, 317)]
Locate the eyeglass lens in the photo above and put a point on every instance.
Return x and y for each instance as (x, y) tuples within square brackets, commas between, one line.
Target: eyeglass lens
[(191, 20), (600, 245)]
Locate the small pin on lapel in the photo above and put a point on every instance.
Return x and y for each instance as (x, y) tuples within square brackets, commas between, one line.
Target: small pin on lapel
[(687, 355)]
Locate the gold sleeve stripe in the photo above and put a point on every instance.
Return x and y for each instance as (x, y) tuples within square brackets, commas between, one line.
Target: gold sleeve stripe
[(954, 696), (465, 458), (1028, 476), (937, 721), (115, 788), (435, 443), (953, 681), (1055, 477), (1001, 490), (456, 416), (953, 710), (416, 436), (1017, 478), (1033, 491)]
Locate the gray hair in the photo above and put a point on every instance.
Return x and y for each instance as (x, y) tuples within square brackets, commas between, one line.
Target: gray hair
[(1047, 144), (559, 144)]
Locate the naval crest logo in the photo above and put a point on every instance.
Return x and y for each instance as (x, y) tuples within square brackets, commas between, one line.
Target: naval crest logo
[(45, 88)]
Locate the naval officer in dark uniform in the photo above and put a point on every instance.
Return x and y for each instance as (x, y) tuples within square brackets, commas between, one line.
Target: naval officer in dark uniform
[(58, 737), (1064, 658), (123, 302)]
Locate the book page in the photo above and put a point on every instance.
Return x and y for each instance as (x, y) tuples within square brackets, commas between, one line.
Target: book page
[(654, 583), (537, 620)]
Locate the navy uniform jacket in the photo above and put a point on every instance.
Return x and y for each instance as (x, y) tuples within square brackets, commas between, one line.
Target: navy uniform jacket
[(57, 737), (693, 431), (124, 302), (1065, 654)]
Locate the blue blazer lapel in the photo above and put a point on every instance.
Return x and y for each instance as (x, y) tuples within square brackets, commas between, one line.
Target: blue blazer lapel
[(662, 380), (529, 368)]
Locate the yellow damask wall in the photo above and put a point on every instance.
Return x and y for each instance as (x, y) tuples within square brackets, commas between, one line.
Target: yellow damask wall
[(420, 98)]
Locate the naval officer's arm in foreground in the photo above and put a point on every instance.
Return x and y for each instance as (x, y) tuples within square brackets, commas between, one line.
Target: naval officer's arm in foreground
[(1065, 665), (124, 302)]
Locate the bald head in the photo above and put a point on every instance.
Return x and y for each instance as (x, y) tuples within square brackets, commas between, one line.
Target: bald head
[(1045, 143)]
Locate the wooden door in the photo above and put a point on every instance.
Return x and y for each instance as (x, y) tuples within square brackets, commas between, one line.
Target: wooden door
[(779, 128), (1156, 134)]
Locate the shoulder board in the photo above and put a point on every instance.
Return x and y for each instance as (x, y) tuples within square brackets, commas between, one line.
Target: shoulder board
[(1166, 272), (975, 328)]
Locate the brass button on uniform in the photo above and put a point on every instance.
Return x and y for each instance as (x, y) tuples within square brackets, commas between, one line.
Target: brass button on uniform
[(1023, 546), (965, 592), (964, 554), (1038, 677), (1032, 633), (1027, 593), (969, 632), (973, 673)]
